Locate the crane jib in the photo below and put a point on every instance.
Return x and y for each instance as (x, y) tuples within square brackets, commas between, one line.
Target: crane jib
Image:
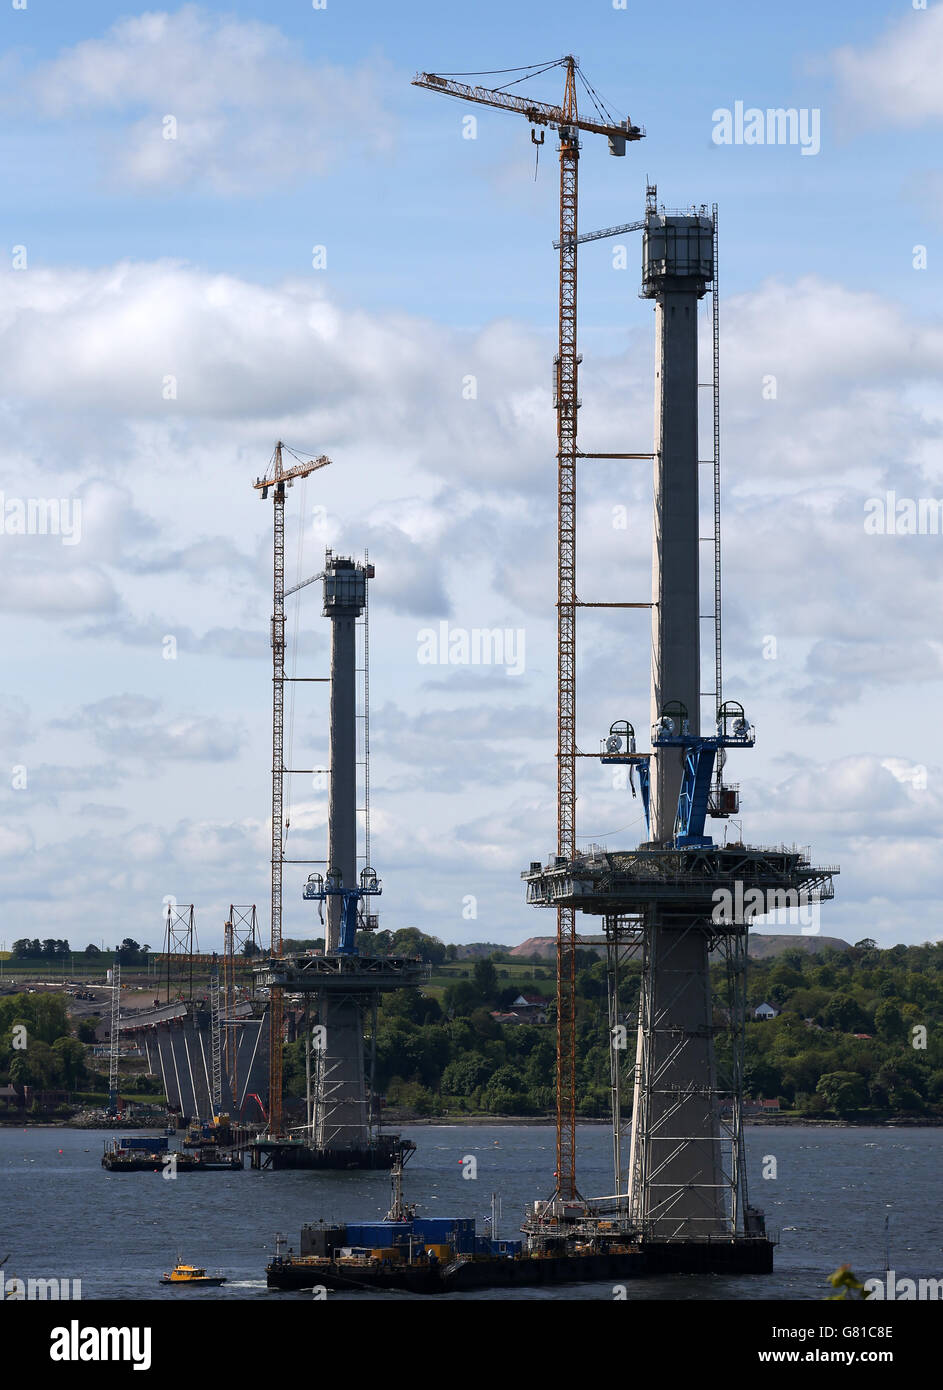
[(537, 112)]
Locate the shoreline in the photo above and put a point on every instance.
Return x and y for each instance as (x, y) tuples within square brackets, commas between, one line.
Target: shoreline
[(465, 1121), (871, 1122)]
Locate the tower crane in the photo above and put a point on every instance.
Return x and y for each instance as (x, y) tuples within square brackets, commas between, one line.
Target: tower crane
[(566, 120), (276, 482)]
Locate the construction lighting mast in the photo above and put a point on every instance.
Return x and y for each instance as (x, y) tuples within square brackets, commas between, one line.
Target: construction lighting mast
[(278, 479), (566, 120)]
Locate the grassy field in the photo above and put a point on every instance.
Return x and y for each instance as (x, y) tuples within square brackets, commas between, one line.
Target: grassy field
[(530, 979), (94, 969)]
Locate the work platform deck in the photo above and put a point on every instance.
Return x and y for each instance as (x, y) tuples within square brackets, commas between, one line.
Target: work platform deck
[(304, 974), (613, 884)]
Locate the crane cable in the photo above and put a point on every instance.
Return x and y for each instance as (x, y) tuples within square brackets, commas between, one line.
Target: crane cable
[(602, 107), (526, 74), (536, 70)]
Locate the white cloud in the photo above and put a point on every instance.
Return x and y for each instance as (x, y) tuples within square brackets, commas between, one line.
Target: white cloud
[(455, 499), (248, 110), (130, 726), (14, 842), (897, 78)]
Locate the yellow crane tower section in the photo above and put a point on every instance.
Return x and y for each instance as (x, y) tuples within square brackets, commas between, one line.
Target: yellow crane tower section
[(276, 482), (566, 120)]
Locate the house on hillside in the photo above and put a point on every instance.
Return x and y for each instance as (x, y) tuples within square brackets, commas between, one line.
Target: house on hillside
[(526, 1008), (765, 1010), (530, 1008)]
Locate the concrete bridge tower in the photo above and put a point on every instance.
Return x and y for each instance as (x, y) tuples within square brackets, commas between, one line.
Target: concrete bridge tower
[(664, 903)]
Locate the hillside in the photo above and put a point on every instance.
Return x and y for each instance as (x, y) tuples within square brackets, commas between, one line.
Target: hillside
[(763, 945)]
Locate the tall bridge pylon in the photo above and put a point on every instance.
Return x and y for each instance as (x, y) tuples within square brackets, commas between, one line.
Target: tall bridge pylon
[(669, 901)]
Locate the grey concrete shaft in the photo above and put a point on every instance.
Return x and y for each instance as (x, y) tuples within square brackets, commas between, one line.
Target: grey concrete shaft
[(676, 641), (682, 1162), (679, 1179), (341, 1114), (342, 809)]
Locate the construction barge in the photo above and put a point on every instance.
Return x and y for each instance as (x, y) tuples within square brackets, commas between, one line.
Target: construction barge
[(424, 1274), (149, 1155), (457, 1260), (278, 1154), (564, 1243)]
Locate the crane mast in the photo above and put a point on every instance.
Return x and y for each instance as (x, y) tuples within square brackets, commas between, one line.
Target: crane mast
[(565, 119), (279, 479), (567, 406)]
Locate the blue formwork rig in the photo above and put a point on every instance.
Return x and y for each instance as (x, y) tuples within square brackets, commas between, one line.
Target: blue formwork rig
[(675, 903)]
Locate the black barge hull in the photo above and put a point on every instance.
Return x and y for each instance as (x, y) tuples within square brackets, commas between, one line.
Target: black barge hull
[(455, 1278), (157, 1164), (275, 1156), (751, 1256)]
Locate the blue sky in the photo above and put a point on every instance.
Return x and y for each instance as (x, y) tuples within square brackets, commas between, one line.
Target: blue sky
[(148, 259)]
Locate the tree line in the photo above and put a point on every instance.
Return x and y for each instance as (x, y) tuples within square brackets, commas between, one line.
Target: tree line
[(858, 1034), (130, 952)]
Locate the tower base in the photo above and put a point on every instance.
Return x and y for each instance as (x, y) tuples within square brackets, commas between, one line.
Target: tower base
[(738, 1255)]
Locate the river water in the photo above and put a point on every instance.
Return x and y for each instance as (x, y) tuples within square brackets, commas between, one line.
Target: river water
[(63, 1216)]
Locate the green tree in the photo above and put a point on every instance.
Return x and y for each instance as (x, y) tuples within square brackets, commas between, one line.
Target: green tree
[(485, 980), (888, 1019), (70, 1061), (843, 1091), (464, 1074), (461, 997), (21, 1076), (844, 1012)]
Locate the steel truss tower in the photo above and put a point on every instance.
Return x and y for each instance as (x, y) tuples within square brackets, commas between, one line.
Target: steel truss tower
[(180, 946), (114, 1038), (240, 928), (216, 1039), (566, 403)]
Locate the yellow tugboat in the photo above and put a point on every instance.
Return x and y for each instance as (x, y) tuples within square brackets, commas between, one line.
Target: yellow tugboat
[(192, 1275)]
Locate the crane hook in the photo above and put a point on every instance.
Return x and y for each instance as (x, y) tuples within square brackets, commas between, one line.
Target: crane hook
[(538, 143)]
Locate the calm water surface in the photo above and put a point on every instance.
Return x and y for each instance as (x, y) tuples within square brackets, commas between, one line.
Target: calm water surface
[(62, 1215)]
